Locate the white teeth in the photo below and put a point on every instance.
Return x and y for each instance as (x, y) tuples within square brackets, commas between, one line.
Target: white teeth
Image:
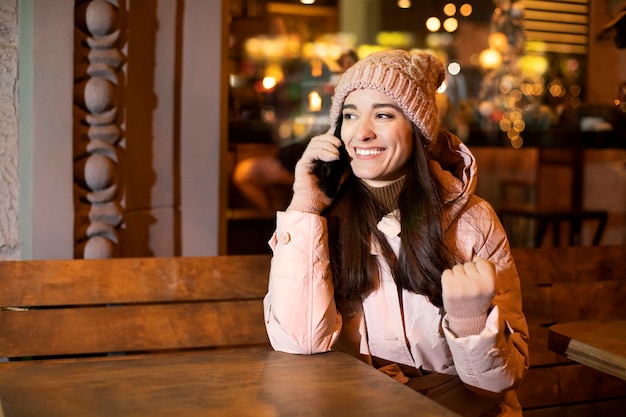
[(366, 152)]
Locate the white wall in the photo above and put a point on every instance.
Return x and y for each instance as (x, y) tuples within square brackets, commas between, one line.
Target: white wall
[(46, 209)]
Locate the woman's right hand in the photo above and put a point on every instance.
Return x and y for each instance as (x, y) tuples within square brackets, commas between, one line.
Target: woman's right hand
[(307, 195)]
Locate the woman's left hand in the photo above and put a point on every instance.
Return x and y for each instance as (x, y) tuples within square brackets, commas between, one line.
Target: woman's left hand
[(468, 290)]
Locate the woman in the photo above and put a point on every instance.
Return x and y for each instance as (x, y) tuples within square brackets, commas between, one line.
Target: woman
[(405, 267)]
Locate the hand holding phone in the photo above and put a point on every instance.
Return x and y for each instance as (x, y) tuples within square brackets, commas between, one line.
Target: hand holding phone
[(318, 174), (329, 173)]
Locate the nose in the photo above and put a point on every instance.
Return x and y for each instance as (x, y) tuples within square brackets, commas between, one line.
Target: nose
[(364, 131)]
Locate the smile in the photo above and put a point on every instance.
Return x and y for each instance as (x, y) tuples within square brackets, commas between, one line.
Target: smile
[(368, 152)]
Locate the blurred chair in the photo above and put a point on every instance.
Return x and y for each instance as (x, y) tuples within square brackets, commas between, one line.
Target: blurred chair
[(531, 208)]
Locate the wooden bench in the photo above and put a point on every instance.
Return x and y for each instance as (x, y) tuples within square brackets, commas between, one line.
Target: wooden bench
[(51, 309), (562, 284), (69, 308)]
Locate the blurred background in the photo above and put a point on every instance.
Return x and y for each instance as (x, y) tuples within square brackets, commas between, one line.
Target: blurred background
[(167, 128), (521, 75)]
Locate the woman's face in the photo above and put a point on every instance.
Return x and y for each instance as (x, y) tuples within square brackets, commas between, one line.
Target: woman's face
[(377, 135)]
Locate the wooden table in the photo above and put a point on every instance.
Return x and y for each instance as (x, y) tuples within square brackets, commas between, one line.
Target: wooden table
[(238, 382), (600, 345)]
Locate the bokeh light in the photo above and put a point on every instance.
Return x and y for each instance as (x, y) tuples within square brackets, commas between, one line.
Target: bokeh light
[(450, 24), (465, 10), (449, 9), (490, 59), (454, 68), (433, 24)]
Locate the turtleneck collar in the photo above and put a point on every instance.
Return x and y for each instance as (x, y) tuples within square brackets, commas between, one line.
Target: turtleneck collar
[(388, 194)]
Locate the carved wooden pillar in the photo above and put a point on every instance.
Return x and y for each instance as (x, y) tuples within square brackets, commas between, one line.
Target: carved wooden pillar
[(98, 133)]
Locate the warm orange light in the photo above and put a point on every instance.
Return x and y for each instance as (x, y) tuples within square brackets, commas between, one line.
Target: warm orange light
[(490, 59), (450, 24), (269, 83), (315, 101), (517, 142), (404, 4), (433, 24), (316, 68), (449, 9), (465, 9), (498, 40)]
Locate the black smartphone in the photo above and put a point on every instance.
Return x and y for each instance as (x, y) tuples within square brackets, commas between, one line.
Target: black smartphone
[(329, 173)]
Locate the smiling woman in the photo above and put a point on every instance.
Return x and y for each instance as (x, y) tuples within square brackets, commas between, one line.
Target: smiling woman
[(405, 268)]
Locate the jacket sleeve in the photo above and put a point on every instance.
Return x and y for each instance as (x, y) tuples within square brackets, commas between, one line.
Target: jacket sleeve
[(496, 359), (299, 307)]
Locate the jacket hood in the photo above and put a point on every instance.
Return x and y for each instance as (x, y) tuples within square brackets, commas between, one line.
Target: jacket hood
[(456, 171)]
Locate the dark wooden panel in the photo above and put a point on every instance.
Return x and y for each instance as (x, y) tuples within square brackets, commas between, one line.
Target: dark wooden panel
[(539, 388), (540, 355), (590, 263), (603, 408), (115, 281), (570, 264), (531, 266), (560, 285), (600, 300), (71, 331), (537, 304), (582, 383), (566, 384)]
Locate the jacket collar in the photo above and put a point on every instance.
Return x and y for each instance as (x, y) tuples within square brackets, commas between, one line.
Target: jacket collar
[(455, 169)]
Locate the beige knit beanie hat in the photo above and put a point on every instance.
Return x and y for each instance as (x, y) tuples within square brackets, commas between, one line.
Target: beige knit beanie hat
[(410, 78)]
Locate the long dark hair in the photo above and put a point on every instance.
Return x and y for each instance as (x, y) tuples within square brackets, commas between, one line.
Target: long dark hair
[(352, 226)]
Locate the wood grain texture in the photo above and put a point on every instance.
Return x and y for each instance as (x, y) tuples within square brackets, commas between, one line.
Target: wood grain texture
[(241, 382), (79, 307), (547, 265), (132, 280), (131, 328)]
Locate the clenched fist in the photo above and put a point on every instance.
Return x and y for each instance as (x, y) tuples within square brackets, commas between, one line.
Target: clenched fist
[(468, 291)]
